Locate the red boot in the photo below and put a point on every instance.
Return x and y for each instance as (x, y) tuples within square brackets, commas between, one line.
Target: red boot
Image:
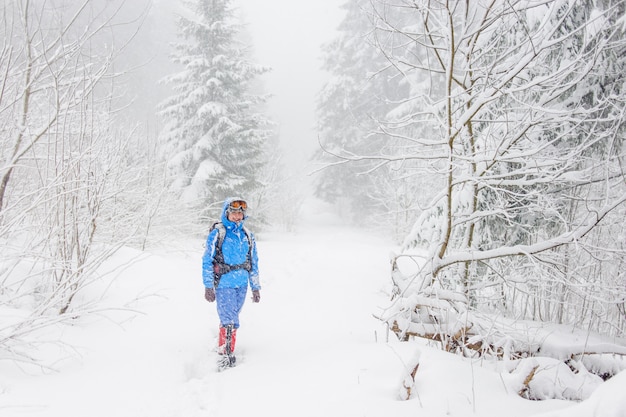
[(233, 339), (226, 333), (221, 341)]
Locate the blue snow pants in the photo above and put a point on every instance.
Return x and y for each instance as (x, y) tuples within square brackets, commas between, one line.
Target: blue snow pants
[(229, 304)]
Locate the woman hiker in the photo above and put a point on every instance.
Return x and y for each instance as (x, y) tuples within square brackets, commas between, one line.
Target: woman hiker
[(229, 265)]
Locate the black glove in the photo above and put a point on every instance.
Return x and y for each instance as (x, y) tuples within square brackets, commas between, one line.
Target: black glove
[(256, 296), (209, 294)]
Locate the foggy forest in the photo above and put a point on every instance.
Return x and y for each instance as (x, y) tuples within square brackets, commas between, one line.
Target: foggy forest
[(485, 140)]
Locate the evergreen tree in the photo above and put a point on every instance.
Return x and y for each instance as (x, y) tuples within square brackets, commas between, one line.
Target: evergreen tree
[(360, 92), (214, 137)]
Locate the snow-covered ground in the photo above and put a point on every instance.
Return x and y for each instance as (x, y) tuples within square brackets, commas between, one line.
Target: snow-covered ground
[(310, 348)]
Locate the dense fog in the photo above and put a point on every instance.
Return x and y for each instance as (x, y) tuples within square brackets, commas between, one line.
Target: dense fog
[(483, 141)]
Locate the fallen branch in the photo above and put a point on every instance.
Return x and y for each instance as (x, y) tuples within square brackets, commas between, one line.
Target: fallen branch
[(526, 384), (408, 384)]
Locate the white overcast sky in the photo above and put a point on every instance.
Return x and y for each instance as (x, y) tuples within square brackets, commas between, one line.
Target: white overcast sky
[(287, 35)]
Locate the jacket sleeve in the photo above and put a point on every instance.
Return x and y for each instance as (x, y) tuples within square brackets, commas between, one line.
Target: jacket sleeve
[(255, 283), (207, 258)]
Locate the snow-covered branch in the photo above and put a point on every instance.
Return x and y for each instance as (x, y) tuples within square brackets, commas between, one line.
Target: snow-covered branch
[(515, 108), (569, 237)]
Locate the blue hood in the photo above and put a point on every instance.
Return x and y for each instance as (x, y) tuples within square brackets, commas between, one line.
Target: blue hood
[(227, 223)]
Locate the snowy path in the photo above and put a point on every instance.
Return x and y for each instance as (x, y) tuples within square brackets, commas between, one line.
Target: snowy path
[(303, 349), (303, 345), (310, 348)]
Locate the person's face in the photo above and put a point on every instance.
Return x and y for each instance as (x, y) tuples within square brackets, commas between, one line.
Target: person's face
[(235, 216)]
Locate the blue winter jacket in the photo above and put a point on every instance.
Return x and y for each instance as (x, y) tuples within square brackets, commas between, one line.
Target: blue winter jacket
[(235, 249)]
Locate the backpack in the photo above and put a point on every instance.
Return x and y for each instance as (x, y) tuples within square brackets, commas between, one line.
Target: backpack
[(219, 266)]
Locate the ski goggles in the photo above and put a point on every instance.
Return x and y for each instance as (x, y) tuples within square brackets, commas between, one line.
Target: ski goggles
[(238, 205)]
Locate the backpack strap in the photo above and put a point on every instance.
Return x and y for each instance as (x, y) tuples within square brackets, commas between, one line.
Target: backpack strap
[(249, 237), (221, 233)]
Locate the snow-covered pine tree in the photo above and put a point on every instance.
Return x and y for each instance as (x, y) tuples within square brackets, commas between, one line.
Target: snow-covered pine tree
[(214, 137), (362, 88), (342, 106)]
